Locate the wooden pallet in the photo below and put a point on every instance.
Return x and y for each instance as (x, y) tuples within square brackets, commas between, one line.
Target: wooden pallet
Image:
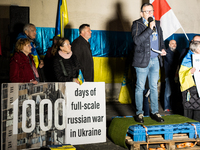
[(170, 144)]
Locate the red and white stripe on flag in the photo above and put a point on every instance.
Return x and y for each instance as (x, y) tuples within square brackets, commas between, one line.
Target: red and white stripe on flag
[(168, 21)]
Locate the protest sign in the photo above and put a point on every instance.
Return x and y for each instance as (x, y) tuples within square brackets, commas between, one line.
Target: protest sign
[(86, 116), (36, 115), (196, 64)]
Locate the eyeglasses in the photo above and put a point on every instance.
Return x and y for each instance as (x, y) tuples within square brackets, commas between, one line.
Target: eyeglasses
[(66, 44), (148, 11)]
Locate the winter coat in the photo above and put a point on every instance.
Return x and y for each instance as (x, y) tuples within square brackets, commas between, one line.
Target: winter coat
[(34, 53), (190, 95), (71, 67), (141, 40), (81, 48), (171, 63), (20, 68)]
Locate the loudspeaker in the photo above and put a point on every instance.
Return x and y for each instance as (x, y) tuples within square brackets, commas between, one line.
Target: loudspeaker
[(19, 16)]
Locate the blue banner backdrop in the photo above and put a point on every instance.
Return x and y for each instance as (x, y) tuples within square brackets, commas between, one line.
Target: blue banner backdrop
[(103, 43)]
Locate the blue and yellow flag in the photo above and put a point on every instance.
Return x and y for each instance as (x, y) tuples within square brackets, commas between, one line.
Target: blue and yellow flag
[(185, 77), (80, 77), (62, 18)]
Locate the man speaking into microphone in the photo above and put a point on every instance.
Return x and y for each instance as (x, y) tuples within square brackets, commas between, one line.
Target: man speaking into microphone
[(148, 47)]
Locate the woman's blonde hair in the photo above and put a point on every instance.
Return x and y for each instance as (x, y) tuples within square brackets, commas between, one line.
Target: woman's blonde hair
[(21, 43)]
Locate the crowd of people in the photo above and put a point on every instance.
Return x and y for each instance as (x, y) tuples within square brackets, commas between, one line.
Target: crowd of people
[(64, 60), (61, 63)]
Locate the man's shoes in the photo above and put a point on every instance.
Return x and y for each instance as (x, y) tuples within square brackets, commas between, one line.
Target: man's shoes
[(168, 110), (157, 117), (139, 118)]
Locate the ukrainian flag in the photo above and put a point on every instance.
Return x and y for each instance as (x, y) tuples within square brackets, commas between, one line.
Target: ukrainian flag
[(62, 18), (185, 77), (80, 77)]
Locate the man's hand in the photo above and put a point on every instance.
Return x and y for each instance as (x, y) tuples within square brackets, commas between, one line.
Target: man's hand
[(152, 24), (164, 53), (41, 64)]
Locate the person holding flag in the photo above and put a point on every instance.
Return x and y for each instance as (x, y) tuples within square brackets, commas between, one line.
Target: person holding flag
[(148, 47), (190, 96), (66, 66), (81, 48), (30, 33)]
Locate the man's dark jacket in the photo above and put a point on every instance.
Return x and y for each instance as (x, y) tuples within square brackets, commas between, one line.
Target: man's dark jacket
[(81, 48), (141, 40), (171, 63)]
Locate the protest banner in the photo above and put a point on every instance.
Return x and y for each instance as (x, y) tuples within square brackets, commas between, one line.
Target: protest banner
[(196, 64), (36, 115), (86, 116)]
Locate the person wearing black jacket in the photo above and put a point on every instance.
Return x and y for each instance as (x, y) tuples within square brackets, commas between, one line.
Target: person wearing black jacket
[(147, 36), (170, 65), (66, 66), (81, 48)]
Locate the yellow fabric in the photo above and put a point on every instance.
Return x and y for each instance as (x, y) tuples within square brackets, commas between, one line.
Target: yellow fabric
[(106, 69), (185, 78), (109, 69), (125, 95), (112, 70), (63, 17), (36, 61)]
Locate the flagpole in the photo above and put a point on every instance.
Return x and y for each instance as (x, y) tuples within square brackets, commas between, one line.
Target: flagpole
[(62, 25), (185, 33)]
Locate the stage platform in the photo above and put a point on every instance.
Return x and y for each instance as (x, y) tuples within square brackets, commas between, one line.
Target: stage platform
[(112, 110), (172, 129)]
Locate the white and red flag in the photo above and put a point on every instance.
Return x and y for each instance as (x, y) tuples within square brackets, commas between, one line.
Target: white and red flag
[(168, 21)]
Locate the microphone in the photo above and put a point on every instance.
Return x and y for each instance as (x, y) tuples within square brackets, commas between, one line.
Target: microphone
[(150, 19)]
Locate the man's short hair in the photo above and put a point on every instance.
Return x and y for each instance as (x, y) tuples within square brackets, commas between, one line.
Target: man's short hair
[(27, 27), (82, 27), (21, 43), (195, 36), (146, 4), (172, 40)]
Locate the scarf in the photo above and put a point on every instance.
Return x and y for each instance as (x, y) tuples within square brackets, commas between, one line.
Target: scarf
[(35, 70), (154, 34), (187, 61), (65, 55)]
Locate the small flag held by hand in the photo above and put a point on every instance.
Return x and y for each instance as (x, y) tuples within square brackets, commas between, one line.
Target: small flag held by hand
[(80, 77)]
